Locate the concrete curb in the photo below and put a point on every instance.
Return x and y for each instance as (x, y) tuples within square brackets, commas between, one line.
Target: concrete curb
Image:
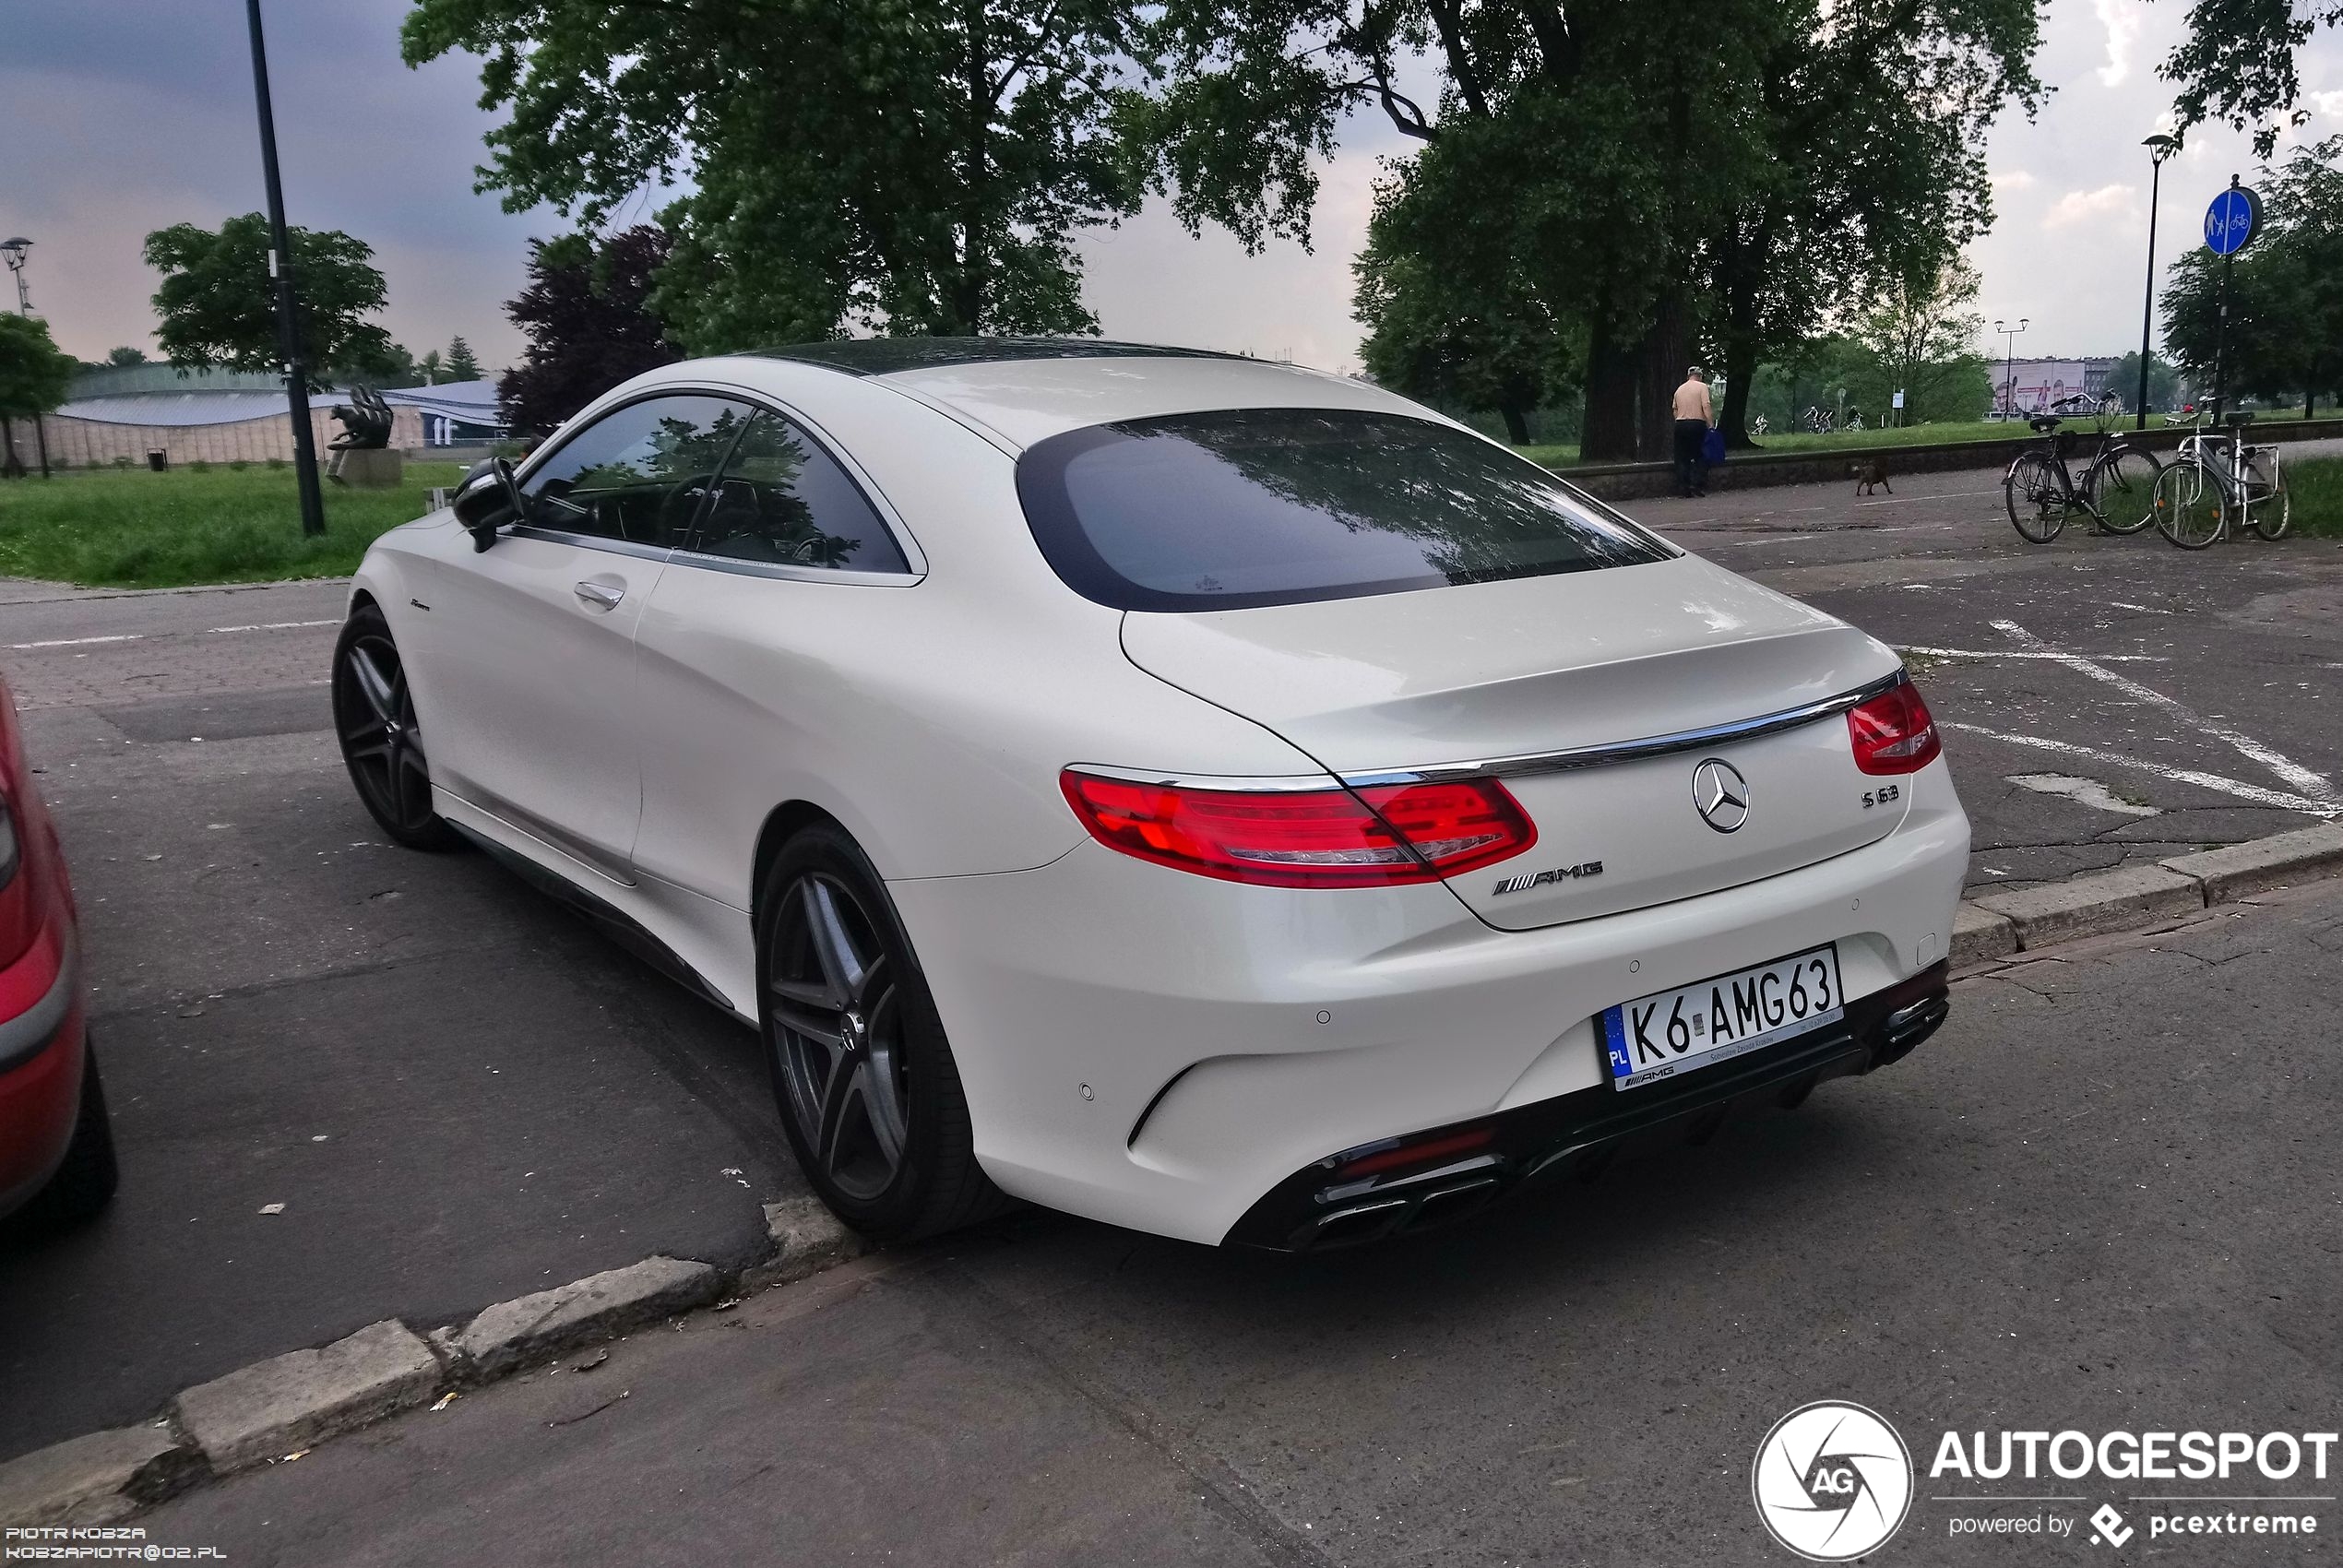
[(1996, 925), (289, 1403)]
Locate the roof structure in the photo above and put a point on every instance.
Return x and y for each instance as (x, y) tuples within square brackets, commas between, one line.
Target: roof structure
[(207, 403), (888, 356)]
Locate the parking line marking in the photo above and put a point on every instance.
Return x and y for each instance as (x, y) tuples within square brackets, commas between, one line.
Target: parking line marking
[(2244, 791), (2315, 784), (273, 626), (2015, 653), (83, 642)]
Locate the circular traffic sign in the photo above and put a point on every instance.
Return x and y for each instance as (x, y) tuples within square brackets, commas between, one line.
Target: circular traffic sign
[(2232, 221)]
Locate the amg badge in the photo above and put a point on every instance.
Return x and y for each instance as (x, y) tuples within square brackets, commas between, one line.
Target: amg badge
[(1527, 880)]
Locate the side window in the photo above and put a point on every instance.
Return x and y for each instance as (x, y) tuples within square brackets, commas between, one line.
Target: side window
[(784, 499), (639, 473)]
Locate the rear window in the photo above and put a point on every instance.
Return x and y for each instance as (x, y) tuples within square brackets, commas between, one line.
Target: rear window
[(1221, 511)]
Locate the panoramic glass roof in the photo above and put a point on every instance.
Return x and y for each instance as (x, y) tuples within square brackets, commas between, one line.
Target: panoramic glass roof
[(883, 356)]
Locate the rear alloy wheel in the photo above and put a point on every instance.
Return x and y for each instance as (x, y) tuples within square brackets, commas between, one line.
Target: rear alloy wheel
[(867, 1088), (382, 743)]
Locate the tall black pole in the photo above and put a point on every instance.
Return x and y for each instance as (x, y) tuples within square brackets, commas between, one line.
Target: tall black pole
[(2147, 311), (312, 505), (2221, 337)]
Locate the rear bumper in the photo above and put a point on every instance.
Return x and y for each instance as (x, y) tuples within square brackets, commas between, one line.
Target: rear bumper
[(1579, 1132), (42, 1054)]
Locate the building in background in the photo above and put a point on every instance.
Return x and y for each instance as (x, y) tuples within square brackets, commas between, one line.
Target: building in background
[(122, 413), (2033, 386)]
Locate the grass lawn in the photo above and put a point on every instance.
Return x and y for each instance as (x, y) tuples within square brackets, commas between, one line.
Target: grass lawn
[(128, 528), (1558, 456), (2315, 488)]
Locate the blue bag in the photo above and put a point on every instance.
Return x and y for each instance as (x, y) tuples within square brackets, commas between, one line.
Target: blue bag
[(1712, 446)]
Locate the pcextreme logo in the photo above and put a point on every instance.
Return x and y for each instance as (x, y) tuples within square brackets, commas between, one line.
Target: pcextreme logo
[(1832, 1482)]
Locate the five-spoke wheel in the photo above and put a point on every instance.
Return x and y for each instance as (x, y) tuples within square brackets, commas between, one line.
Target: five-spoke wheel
[(382, 743), (869, 1094)]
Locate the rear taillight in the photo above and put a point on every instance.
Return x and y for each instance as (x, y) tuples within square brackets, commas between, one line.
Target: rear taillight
[(1892, 732), (1331, 837)]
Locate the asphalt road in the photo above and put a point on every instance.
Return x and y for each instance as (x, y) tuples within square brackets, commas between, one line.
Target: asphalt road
[(2103, 1198), (459, 1093)]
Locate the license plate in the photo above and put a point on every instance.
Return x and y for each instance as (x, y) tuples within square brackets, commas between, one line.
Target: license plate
[(1716, 1019)]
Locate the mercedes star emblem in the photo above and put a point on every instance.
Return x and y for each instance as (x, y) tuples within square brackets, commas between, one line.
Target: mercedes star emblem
[(1720, 795)]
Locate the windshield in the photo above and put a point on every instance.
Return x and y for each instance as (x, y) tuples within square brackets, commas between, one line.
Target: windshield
[(1242, 507)]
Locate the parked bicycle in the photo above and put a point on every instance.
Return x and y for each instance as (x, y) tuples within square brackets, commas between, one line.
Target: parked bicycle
[(1820, 421), (2116, 490), (2217, 479)]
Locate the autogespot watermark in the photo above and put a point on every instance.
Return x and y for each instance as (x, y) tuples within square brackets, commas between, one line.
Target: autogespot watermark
[(1832, 1481)]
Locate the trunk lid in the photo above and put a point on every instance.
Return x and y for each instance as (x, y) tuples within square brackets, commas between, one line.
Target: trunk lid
[(1395, 682)]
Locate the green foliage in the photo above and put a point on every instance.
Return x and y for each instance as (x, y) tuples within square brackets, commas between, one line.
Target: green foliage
[(903, 164), (128, 528), (432, 368), (461, 366), (126, 355), (2163, 380), (218, 307), (35, 374), (2315, 488), (2237, 64), (1920, 331), (2286, 313)]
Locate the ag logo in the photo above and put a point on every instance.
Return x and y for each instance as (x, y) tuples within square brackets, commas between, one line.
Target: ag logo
[(1832, 1482)]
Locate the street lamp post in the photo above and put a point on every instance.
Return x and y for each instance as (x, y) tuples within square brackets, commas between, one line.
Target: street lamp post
[(2159, 148), (2009, 364), (312, 505), (14, 251)]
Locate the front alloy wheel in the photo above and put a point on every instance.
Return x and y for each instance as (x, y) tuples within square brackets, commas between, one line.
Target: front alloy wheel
[(382, 743)]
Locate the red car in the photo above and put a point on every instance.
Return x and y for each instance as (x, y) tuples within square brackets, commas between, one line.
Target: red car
[(56, 1147)]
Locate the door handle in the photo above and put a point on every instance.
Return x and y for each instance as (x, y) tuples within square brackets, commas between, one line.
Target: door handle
[(599, 595)]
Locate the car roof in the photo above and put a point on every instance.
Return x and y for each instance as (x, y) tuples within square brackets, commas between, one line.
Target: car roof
[(1018, 391)]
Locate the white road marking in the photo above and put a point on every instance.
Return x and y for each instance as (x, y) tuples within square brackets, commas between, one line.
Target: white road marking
[(2244, 791), (274, 625), (83, 642), (2315, 785), (2013, 653), (1942, 495)]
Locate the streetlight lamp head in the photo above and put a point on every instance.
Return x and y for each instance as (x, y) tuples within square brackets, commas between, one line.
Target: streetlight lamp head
[(2162, 146), (14, 250)]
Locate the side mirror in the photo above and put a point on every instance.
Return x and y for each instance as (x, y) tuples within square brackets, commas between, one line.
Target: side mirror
[(489, 498)]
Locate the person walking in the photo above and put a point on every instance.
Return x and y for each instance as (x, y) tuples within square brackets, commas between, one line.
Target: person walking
[(1694, 419)]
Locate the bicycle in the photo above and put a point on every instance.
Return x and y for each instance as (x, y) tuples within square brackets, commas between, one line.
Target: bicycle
[(2214, 474), (1820, 422), (2117, 487)]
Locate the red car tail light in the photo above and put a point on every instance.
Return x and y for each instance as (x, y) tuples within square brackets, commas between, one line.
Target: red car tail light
[(1418, 1150), (1893, 732), (1331, 837)]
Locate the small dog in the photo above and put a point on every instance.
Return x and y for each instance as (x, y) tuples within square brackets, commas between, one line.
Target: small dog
[(1866, 475)]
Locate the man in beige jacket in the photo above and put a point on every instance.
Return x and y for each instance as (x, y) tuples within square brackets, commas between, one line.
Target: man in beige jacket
[(1694, 419)]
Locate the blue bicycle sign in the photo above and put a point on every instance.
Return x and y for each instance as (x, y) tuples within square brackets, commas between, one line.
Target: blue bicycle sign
[(2232, 221)]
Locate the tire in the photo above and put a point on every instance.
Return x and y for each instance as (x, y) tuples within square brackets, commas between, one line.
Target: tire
[(85, 1182), (382, 743), (863, 1074), (2273, 513), (2122, 490), (2037, 501), (2189, 506)]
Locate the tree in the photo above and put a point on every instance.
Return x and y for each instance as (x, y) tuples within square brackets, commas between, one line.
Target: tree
[(1644, 177), (219, 306), (126, 355), (587, 323), (35, 377), (2237, 64), (461, 366), (910, 165), (2163, 380), (2285, 334), (432, 367), (1920, 327)]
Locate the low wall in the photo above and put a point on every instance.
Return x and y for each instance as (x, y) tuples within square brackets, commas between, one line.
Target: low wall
[(82, 443), (1746, 471)]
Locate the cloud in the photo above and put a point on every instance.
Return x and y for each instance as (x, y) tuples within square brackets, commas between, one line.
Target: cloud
[(2120, 18), (2014, 180), (2084, 206)]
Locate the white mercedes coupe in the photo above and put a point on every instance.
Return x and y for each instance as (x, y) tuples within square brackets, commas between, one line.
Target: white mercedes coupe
[(1209, 796)]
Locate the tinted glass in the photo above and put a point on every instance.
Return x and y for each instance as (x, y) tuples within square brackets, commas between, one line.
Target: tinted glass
[(639, 473), (786, 501), (1280, 505)]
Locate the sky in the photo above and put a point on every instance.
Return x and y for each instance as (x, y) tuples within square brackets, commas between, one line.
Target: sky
[(134, 114)]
